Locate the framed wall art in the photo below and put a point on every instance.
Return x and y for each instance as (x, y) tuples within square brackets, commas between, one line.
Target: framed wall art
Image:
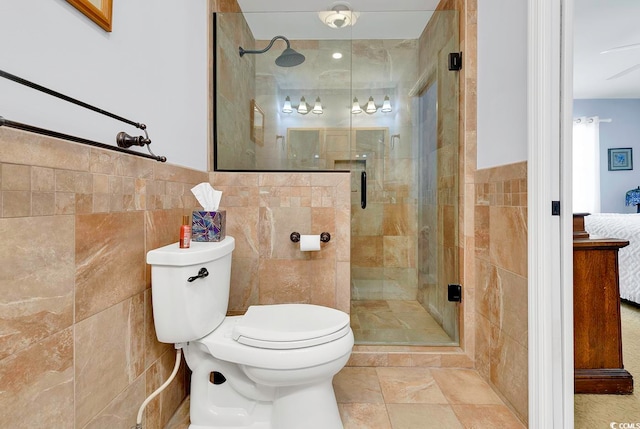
[(620, 159), (99, 11)]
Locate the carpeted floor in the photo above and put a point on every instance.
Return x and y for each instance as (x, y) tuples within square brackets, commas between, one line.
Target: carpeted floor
[(600, 411)]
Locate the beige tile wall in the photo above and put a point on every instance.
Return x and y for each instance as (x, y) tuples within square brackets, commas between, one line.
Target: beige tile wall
[(467, 130), (77, 326), (263, 209), (78, 346), (233, 95), (501, 288), (59, 201)]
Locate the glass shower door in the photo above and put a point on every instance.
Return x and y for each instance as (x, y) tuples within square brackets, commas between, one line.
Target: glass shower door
[(367, 206), (405, 242)]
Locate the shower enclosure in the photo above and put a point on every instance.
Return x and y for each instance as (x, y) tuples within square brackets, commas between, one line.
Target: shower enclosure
[(384, 108)]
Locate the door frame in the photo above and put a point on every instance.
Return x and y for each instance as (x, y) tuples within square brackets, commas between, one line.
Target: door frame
[(550, 238)]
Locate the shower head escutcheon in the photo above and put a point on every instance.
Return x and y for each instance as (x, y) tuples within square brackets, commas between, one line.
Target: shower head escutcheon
[(288, 58)]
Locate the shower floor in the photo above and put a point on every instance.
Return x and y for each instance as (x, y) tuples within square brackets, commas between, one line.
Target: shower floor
[(395, 322)]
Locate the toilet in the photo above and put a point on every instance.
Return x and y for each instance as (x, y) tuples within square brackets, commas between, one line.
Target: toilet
[(271, 368)]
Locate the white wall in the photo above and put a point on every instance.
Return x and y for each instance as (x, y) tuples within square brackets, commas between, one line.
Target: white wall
[(152, 68), (502, 82)]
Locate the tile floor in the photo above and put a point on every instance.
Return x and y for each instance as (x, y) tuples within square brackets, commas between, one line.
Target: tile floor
[(410, 398), (419, 398), (395, 322)]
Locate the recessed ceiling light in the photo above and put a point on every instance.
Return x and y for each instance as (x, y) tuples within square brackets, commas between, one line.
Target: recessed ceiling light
[(336, 55)]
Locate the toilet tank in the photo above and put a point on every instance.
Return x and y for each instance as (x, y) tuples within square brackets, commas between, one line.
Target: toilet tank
[(185, 310)]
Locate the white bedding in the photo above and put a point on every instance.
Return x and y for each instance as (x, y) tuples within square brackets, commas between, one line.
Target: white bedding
[(625, 226)]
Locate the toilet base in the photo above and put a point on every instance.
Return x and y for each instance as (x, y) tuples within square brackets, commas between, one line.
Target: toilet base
[(311, 407), (238, 402)]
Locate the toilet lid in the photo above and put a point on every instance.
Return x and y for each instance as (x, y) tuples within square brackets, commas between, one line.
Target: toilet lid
[(290, 326)]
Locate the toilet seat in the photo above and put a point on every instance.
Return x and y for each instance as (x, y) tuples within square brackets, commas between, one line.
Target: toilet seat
[(221, 345), (290, 326)]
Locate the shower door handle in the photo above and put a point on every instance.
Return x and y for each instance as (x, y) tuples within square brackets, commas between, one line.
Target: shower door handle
[(363, 189)]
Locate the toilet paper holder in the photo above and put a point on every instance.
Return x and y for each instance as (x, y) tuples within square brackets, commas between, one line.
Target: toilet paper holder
[(324, 237)]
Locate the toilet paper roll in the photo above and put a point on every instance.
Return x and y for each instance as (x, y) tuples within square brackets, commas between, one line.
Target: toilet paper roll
[(309, 243)]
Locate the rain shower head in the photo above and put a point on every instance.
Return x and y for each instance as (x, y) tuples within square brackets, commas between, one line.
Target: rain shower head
[(288, 58)]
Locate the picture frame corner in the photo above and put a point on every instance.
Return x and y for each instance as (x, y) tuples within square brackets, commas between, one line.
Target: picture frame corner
[(98, 11), (620, 159)]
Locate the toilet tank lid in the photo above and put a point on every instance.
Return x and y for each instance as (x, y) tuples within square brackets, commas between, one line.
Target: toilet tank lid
[(289, 322), (198, 253)]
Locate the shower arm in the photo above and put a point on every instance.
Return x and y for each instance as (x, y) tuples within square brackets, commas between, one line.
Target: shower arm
[(243, 51)]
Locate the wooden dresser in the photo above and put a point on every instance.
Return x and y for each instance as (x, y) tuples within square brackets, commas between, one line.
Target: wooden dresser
[(597, 335)]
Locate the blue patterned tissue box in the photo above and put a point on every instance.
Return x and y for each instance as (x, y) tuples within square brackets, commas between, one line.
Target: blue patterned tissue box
[(208, 226)]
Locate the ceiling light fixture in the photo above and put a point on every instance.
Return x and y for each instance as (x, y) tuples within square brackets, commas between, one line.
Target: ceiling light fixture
[(336, 55), (340, 15)]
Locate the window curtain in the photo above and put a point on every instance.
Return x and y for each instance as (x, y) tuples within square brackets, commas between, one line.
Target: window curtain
[(586, 165)]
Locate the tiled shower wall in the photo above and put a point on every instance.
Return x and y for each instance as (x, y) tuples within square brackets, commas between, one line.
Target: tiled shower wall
[(263, 209), (78, 346), (501, 289), (233, 95)]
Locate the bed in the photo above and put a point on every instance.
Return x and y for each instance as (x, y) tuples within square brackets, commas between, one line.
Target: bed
[(625, 226)]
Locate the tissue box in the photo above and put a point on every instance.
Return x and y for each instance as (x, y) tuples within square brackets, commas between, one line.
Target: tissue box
[(208, 226)]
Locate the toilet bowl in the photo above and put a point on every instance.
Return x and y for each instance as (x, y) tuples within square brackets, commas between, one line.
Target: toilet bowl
[(271, 368)]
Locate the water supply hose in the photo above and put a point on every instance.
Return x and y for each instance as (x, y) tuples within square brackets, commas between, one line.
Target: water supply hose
[(159, 389)]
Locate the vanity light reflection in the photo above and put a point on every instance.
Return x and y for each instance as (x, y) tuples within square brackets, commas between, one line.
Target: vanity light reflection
[(303, 108), (317, 107), (371, 107)]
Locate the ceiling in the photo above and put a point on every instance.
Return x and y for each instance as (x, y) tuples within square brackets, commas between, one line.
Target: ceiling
[(600, 26), (378, 19)]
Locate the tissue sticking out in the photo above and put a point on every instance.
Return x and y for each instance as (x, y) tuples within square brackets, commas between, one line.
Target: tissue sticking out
[(209, 223), (208, 197)]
